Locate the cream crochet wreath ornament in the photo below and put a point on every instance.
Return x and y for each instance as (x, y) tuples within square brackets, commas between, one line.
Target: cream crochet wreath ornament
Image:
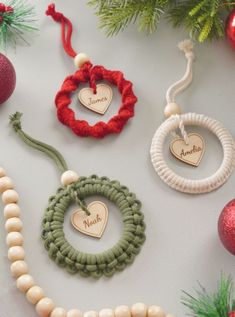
[(189, 148)]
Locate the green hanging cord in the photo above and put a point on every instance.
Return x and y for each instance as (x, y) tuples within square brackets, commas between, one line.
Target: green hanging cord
[(50, 151), (15, 121)]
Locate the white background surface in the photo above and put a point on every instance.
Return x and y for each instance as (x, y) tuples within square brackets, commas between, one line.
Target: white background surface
[(182, 245)]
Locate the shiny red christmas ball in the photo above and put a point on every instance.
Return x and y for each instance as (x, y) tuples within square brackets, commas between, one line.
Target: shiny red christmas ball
[(230, 28), (7, 78), (226, 226)]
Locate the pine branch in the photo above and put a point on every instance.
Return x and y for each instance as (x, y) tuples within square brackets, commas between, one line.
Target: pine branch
[(116, 15), (17, 24), (218, 304), (203, 19)]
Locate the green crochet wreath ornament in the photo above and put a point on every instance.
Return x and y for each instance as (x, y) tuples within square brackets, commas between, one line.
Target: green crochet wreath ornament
[(77, 189)]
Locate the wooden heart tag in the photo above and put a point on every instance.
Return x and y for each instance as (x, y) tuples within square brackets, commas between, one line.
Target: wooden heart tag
[(94, 224), (98, 102), (190, 153)]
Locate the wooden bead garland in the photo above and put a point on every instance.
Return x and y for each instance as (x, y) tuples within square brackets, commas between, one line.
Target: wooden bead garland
[(76, 189), (177, 120)]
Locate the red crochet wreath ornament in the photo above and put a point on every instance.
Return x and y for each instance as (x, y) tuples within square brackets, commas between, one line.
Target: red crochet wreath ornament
[(91, 74)]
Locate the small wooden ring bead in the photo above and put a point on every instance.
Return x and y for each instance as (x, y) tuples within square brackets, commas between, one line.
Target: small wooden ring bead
[(10, 196), (5, 183), (25, 282), (11, 210), (13, 224), (74, 313), (34, 294), (19, 268), (58, 312), (80, 59), (44, 307), (14, 238), (16, 253)]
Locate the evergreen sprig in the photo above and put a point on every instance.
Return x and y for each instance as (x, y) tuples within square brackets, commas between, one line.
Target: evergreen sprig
[(217, 304), (18, 24), (203, 19)]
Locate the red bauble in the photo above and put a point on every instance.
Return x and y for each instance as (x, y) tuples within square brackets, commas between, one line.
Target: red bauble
[(226, 226), (7, 78), (230, 28)]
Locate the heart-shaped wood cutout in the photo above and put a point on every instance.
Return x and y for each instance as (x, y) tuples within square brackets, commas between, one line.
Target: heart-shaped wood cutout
[(190, 153), (94, 224), (98, 102)]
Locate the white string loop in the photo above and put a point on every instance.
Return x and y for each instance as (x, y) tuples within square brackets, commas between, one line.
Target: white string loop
[(187, 47)]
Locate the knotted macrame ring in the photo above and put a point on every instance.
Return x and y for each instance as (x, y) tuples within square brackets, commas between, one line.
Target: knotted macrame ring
[(91, 74), (110, 261), (187, 185)]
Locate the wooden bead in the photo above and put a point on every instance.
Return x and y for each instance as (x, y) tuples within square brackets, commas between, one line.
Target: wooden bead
[(69, 177), (19, 268), (171, 109), (13, 224), (11, 210), (122, 311), (106, 312), (14, 238), (81, 59), (139, 310), (44, 307), (10, 196), (91, 313), (2, 172), (35, 294), (74, 313), (5, 183), (24, 282), (155, 311), (16, 253), (58, 312)]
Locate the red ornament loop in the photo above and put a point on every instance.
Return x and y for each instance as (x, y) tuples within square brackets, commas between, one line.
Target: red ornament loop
[(91, 74)]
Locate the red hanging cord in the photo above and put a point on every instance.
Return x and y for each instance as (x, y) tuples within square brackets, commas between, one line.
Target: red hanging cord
[(66, 29)]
